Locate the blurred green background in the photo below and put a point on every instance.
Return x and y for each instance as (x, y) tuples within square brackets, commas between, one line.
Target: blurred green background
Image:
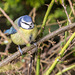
[(17, 8)]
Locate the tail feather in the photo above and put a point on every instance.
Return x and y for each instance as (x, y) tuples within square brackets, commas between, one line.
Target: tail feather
[(7, 31), (12, 30)]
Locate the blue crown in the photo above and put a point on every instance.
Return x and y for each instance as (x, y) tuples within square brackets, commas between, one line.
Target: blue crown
[(27, 18)]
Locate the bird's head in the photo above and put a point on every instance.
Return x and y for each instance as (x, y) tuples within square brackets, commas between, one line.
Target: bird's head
[(26, 22)]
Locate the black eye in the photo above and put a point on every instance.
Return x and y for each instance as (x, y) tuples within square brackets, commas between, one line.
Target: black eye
[(31, 23), (30, 26)]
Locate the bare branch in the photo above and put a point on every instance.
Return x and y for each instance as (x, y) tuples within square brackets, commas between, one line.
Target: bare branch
[(1, 34), (71, 7), (26, 49), (66, 11), (33, 12), (13, 25)]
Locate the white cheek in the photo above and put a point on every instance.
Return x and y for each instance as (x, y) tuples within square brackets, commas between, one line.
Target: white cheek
[(24, 26)]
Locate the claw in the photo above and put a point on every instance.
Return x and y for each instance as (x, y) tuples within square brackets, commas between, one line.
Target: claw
[(35, 44), (20, 50)]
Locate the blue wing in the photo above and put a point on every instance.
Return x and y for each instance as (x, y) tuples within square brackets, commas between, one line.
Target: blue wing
[(12, 30)]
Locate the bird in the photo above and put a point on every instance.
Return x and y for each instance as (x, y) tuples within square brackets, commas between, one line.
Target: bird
[(26, 27)]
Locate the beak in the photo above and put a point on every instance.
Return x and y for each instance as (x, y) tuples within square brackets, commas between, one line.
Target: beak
[(31, 26)]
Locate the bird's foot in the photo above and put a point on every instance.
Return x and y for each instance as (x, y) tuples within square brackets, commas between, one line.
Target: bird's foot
[(20, 50), (35, 44)]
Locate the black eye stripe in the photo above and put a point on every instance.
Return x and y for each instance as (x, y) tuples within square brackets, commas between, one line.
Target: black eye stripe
[(25, 23)]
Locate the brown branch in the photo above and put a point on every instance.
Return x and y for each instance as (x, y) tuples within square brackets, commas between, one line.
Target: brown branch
[(7, 47), (68, 55), (66, 12), (2, 53), (61, 22), (13, 25), (56, 46), (33, 12), (69, 60), (26, 49), (30, 66), (71, 7), (1, 34)]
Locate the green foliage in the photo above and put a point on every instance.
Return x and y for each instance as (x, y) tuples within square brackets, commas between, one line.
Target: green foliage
[(35, 3), (12, 8), (51, 28), (59, 1), (15, 8), (54, 16), (57, 14)]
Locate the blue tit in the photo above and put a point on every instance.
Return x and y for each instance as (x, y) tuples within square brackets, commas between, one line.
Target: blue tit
[(26, 27)]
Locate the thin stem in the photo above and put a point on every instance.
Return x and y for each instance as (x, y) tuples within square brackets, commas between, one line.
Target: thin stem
[(38, 63), (32, 47), (66, 12), (13, 25), (66, 33), (66, 69), (46, 16), (71, 7), (60, 55)]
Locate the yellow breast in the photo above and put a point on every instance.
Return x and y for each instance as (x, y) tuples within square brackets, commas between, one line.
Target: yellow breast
[(29, 35)]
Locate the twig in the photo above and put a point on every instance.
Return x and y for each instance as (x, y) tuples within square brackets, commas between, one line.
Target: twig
[(33, 11), (66, 69), (26, 49), (38, 63), (58, 67), (7, 47), (2, 53), (30, 66), (68, 21), (13, 25), (1, 34), (68, 54), (66, 11), (60, 55), (46, 16), (71, 7), (61, 22)]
